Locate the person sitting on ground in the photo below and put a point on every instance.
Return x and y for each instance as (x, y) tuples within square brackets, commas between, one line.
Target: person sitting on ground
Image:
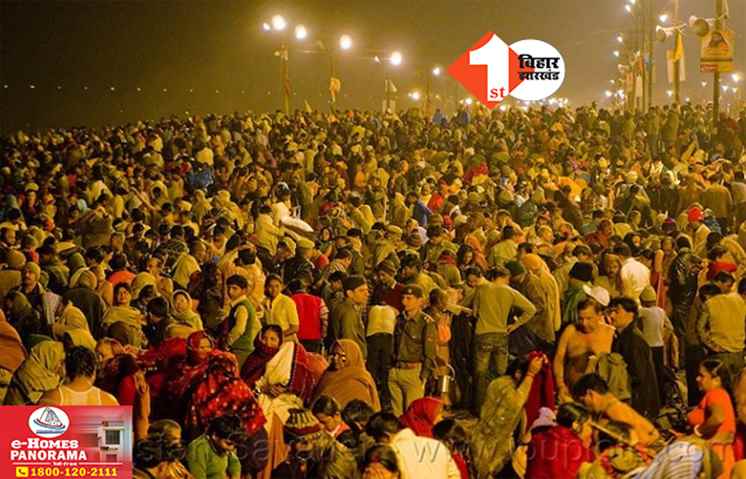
[(78, 389), (593, 392)]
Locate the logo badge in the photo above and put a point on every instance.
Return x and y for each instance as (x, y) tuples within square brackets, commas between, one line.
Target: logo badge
[(48, 422), (492, 70)]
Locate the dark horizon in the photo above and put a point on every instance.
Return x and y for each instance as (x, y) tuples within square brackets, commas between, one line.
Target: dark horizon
[(214, 57)]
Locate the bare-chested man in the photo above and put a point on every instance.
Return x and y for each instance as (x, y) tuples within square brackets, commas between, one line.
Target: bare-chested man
[(593, 393), (580, 345)]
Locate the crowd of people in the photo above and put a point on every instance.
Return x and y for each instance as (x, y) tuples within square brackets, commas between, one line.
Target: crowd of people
[(536, 293)]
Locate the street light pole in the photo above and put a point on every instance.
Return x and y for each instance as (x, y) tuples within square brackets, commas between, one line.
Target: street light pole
[(716, 74), (285, 78), (676, 62), (333, 74), (387, 93), (649, 43), (427, 95)]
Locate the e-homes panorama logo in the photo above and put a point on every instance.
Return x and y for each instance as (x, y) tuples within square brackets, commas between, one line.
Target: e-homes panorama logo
[(491, 70), (48, 422)]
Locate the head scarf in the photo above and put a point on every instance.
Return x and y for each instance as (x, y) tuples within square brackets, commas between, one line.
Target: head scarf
[(124, 333), (189, 317), (421, 415), (83, 277), (38, 373), (213, 386), (140, 281), (353, 381), (193, 342), (254, 366), (81, 337)]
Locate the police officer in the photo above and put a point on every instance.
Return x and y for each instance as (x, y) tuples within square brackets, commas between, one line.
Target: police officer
[(415, 341)]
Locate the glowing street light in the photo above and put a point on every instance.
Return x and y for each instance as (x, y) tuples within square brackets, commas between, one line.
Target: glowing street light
[(300, 32), (266, 27), (415, 95), (704, 84), (436, 71), (279, 23), (608, 93), (725, 88), (663, 17), (345, 42), (376, 59), (736, 77), (616, 53), (628, 7), (395, 58), (620, 38), (669, 93)]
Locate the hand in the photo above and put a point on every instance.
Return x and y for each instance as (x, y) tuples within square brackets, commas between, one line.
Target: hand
[(276, 390), (564, 395), (141, 385), (535, 365)]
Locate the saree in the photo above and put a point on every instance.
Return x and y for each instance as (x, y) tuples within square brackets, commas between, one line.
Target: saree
[(211, 387), (256, 363), (295, 369), (492, 440)]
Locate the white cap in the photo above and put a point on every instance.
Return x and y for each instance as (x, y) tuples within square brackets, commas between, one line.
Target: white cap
[(597, 293)]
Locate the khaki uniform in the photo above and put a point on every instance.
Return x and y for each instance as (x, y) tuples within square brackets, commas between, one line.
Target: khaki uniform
[(415, 352)]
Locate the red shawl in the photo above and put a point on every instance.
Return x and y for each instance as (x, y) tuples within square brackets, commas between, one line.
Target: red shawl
[(212, 388), (256, 362), (542, 390), (166, 360), (421, 415), (306, 371)]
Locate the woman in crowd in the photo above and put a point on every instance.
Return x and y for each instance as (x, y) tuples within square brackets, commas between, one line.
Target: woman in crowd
[(183, 312), (207, 383), (40, 372), (346, 378), (266, 345), (422, 415), (714, 418), (125, 315), (289, 380), (491, 440)]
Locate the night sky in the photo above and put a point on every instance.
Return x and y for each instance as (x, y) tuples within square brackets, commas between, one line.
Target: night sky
[(218, 50)]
